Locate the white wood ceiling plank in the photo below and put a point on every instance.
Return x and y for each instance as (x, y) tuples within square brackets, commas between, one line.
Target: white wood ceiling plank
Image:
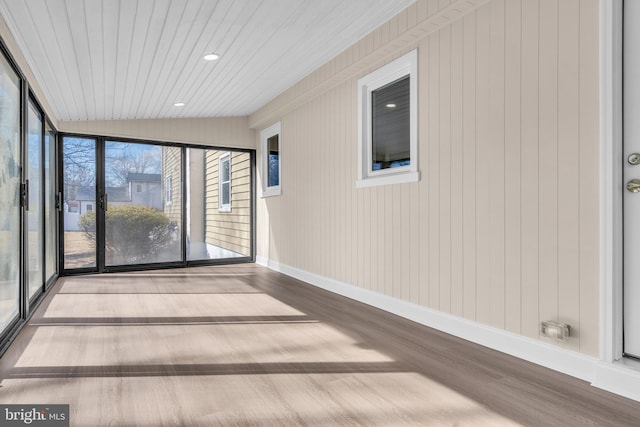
[(20, 13), (79, 33), (186, 52), (156, 11), (93, 26), (110, 30), (308, 33), (141, 25), (177, 11), (225, 29), (126, 61), (250, 49), (314, 39), (130, 59), (214, 27), (319, 35), (297, 26), (68, 70), (276, 33)]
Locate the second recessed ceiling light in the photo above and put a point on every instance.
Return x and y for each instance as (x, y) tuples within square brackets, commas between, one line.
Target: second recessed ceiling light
[(211, 56)]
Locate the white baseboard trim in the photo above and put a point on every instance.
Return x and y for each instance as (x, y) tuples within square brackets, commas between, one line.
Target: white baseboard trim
[(616, 378), (260, 260), (619, 377)]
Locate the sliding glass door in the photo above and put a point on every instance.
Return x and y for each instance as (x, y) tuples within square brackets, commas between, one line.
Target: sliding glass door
[(143, 217), (122, 204), (10, 165), (79, 203), (129, 204), (35, 220), (28, 229), (27, 191), (50, 211)]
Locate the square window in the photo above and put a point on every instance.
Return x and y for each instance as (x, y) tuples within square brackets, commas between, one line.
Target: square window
[(270, 146), (387, 124)]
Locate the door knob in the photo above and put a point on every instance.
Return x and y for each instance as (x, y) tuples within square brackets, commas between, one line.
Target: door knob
[(634, 185)]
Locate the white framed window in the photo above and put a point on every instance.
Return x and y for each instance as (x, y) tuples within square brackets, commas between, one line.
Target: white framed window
[(224, 183), (168, 190), (388, 124), (270, 147)]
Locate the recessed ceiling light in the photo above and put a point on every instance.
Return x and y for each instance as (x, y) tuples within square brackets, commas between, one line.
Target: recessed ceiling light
[(211, 56), (391, 105), (179, 104)]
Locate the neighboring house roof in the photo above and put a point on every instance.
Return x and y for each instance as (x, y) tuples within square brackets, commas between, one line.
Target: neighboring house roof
[(143, 177)]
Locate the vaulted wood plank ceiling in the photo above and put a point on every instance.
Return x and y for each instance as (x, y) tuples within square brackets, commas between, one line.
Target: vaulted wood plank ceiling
[(134, 59)]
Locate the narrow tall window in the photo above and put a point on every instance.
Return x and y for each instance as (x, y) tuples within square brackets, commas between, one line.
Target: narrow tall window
[(390, 142), (273, 171), (270, 145), (168, 190), (224, 194), (387, 124)]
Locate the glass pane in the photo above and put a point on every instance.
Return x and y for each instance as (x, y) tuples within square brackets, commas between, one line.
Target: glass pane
[(225, 193), (274, 161), (79, 190), (140, 226), (225, 170), (9, 194), (35, 223), (50, 202), (390, 125), (212, 234)]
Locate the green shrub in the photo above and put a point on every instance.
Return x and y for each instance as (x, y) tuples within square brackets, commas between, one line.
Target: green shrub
[(134, 233)]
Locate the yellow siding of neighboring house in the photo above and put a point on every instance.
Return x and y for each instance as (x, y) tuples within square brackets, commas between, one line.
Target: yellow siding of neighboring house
[(229, 230), (171, 167)]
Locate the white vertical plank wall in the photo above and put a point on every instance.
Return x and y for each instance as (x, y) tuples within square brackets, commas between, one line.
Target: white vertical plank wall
[(502, 227)]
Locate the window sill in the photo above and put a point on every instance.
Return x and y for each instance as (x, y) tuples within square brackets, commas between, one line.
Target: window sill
[(399, 178), (270, 192)]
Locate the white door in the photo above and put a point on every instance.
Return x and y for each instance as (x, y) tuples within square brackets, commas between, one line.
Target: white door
[(631, 176)]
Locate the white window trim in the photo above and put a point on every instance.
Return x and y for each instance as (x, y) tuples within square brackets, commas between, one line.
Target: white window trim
[(274, 190), (224, 207), (611, 271), (403, 66)]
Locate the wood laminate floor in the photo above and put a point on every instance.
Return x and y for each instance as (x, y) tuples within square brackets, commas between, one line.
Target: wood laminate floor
[(242, 345)]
